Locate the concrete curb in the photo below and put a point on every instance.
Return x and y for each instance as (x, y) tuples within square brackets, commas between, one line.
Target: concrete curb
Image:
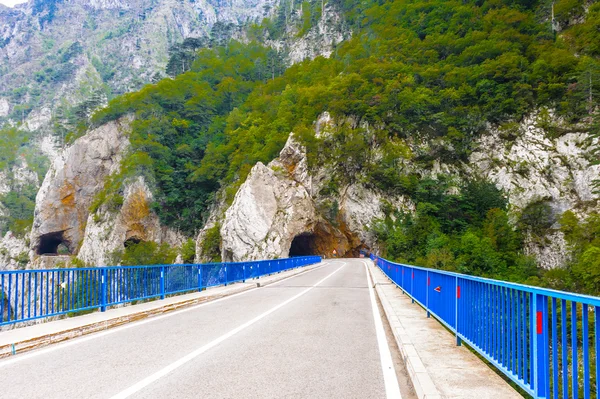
[(7, 350), (420, 378)]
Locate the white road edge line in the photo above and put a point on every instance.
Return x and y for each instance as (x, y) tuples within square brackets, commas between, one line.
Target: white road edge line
[(192, 355), (392, 389), (75, 341)]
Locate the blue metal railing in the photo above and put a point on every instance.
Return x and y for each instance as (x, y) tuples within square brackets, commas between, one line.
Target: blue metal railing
[(34, 294), (546, 341)]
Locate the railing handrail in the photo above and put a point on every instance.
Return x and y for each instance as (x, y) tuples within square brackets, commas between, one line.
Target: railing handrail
[(569, 296), (144, 266), (41, 293), (530, 334)]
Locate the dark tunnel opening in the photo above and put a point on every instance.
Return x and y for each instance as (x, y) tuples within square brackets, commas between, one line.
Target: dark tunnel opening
[(53, 244), (303, 244)]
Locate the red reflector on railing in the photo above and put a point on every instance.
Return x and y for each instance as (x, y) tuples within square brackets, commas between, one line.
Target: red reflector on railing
[(458, 291), (428, 281), (539, 322), (413, 274)]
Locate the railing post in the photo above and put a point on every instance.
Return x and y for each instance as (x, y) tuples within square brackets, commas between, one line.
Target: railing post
[(103, 290), (456, 298), (244, 273), (428, 283), (162, 282), (412, 285), (226, 276), (540, 347), (199, 278)]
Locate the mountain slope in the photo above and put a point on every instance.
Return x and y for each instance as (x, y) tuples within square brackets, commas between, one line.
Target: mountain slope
[(470, 122)]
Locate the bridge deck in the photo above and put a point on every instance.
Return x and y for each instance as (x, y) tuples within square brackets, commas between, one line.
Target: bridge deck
[(40, 335), (312, 335)]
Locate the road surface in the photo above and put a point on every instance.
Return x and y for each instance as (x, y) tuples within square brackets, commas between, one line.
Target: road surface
[(315, 335)]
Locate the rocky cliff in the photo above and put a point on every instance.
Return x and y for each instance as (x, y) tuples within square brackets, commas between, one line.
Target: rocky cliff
[(75, 177), (280, 209), (279, 212), (107, 232), (542, 160), (63, 222)]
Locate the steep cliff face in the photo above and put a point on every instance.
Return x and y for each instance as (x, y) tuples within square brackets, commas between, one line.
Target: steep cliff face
[(63, 223), (75, 177), (130, 39), (535, 166), (269, 209)]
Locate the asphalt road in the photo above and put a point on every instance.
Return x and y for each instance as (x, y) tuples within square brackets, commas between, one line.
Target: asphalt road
[(315, 335)]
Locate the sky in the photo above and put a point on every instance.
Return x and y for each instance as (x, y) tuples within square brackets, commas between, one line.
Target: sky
[(11, 3)]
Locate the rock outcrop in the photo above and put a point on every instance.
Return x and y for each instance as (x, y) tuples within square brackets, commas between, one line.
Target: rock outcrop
[(107, 232), (74, 178), (542, 159), (14, 252), (278, 212), (535, 166), (320, 40)]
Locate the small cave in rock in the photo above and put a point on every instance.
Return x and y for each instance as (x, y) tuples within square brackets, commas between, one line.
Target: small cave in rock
[(132, 241), (53, 244), (304, 244)]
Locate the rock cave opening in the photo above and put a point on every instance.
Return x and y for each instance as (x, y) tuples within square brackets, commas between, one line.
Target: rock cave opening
[(53, 244), (132, 241), (304, 244)]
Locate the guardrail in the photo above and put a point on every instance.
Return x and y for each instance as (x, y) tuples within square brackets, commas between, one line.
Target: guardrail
[(546, 341), (34, 294)]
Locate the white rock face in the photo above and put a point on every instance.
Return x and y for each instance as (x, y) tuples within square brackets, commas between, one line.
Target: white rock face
[(38, 118), (361, 207), (4, 182), (536, 167), (23, 176), (14, 252), (4, 107), (268, 211), (552, 252), (106, 232), (49, 146), (321, 39), (17, 177)]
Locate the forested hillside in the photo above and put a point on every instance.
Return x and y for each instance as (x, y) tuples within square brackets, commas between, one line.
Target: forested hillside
[(433, 72)]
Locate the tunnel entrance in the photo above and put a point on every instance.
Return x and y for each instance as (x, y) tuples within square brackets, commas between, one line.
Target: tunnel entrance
[(53, 244), (303, 244)]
